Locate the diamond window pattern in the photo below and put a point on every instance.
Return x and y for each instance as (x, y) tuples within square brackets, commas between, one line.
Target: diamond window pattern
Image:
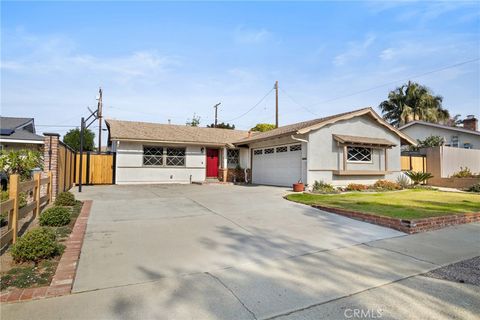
[(282, 149), (258, 151), (269, 150), (176, 157), (152, 156), (296, 147), (233, 156), (359, 154)]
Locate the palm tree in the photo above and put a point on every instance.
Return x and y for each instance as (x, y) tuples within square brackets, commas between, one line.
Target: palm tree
[(411, 102)]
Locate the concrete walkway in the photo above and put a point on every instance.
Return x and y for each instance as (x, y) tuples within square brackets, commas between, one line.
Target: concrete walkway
[(227, 252)]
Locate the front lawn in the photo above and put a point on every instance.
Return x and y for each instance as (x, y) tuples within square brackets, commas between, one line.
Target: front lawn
[(406, 204)]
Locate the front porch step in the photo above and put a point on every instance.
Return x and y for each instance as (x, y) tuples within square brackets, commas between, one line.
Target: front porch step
[(210, 181)]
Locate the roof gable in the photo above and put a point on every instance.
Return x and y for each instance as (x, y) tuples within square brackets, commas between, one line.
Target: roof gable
[(307, 126), (441, 126), (14, 122)]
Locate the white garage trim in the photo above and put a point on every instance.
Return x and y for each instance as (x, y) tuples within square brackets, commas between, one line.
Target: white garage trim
[(279, 165)]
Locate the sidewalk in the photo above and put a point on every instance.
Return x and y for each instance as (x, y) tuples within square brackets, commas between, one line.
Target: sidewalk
[(379, 274)]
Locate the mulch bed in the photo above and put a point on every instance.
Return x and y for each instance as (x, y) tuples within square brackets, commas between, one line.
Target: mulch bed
[(62, 281)]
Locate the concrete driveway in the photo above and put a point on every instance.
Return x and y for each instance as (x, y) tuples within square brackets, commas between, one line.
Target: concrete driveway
[(238, 252), (142, 233)]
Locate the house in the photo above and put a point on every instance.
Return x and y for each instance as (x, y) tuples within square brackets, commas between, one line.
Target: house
[(467, 137), (162, 153), (357, 146), (19, 133)]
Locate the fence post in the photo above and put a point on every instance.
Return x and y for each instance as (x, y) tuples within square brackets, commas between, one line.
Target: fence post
[(50, 187), (14, 194), (37, 178)]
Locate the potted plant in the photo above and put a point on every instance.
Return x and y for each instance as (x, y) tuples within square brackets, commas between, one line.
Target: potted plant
[(299, 186)]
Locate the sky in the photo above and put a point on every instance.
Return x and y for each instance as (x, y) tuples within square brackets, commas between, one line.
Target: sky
[(161, 61)]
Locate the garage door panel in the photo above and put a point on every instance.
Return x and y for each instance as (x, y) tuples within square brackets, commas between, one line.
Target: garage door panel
[(278, 168)]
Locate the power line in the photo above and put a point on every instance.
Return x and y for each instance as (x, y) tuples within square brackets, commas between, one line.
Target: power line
[(248, 111), (396, 81), (296, 102)]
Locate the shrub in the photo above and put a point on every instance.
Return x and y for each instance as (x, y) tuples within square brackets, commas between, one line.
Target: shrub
[(418, 177), (386, 185), (463, 173), (474, 188), (357, 187), (323, 187), (65, 199), (35, 245), (55, 217), (403, 181)]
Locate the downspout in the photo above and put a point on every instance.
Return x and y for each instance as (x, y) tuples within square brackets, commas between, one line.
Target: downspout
[(298, 139), (308, 150)]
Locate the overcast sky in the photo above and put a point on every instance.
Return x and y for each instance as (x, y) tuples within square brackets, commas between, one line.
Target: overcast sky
[(158, 61)]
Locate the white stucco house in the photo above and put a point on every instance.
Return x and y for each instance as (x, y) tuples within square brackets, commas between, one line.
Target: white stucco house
[(467, 137), (357, 146), (19, 133)]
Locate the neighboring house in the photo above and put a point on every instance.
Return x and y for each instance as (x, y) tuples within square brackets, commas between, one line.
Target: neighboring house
[(19, 133), (459, 137), (357, 146)]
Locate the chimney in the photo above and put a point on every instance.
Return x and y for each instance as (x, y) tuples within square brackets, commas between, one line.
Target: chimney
[(249, 133), (470, 123)]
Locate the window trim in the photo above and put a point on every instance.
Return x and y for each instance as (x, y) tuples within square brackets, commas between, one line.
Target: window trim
[(164, 157), (233, 165), (361, 161)]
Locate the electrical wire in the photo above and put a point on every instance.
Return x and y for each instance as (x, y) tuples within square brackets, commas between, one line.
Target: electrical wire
[(249, 110), (396, 81), (296, 102)]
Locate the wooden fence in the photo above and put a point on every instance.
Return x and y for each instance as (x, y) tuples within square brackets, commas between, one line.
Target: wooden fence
[(97, 168), (416, 163), (12, 205), (66, 165)]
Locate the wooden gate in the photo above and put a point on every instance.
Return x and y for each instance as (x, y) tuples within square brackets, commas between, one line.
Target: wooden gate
[(417, 163), (97, 168)]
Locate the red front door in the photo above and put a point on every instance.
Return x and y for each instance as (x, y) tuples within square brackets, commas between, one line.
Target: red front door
[(212, 163)]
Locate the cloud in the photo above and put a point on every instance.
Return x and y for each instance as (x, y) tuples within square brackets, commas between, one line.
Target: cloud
[(355, 50), (251, 36), (53, 55)]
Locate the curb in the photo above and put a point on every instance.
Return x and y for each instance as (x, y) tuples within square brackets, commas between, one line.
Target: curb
[(62, 281)]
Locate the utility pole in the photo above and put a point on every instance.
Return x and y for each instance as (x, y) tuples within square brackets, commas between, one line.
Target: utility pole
[(216, 107), (276, 104), (99, 115)]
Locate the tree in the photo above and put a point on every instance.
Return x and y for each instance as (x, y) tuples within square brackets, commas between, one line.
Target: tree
[(72, 139), (411, 102), (431, 141), (20, 162), (263, 127), (222, 125), (195, 122)]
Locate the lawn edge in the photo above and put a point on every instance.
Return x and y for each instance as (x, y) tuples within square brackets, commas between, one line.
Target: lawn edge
[(62, 281), (409, 226)]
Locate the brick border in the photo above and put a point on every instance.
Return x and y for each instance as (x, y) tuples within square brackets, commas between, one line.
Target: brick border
[(62, 281), (405, 225)]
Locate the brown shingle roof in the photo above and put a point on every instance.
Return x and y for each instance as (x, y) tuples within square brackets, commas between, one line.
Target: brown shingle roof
[(294, 128), (145, 131), (342, 138)]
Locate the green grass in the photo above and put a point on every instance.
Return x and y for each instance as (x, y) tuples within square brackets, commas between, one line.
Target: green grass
[(28, 276), (406, 204)]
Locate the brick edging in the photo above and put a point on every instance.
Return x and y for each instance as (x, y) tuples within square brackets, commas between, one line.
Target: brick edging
[(62, 281), (405, 225)]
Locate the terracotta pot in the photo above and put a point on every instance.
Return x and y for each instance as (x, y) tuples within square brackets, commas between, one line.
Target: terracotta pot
[(298, 187)]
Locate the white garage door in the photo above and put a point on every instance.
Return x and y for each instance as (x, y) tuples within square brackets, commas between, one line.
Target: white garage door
[(277, 166)]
